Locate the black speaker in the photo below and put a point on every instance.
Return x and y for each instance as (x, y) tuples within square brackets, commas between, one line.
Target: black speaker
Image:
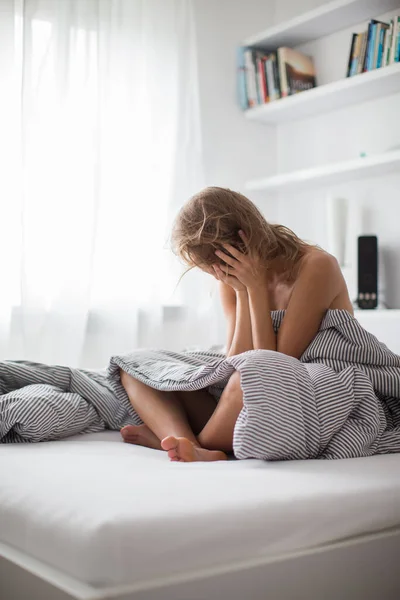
[(367, 271)]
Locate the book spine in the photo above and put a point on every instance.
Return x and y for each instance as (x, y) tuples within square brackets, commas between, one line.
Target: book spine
[(282, 74), (276, 76), (356, 54), (397, 56), (270, 77), (263, 75), (350, 61), (257, 77), (368, 50), (250, 79), (376, 45), (260, 90), (389, 52), (385, 46), (362, 53), (372, 49), (382, 36), (393, 43), (241, 78)]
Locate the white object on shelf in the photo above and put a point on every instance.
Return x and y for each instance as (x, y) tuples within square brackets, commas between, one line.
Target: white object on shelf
[(336, 223), (334, 173), (331, 96), (317, 23)]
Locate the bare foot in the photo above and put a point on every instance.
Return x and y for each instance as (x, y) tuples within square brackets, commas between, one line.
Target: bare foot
[(181, 449), (140, 435)]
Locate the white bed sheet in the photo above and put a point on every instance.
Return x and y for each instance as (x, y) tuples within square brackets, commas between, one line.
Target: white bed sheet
[(112, 514)]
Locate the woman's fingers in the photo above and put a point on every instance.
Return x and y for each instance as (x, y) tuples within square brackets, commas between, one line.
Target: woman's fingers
[(222, 273), (234, 251), (227, 259), (219, 273), (228, 278)]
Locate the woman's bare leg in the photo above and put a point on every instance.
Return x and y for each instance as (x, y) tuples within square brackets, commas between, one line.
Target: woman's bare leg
[(198, 406), (165, 417), (218, 431), (160, 411), (140, 435), (217, 434)]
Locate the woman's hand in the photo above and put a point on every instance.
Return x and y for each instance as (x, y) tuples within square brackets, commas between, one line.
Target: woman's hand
[(247, 269), (223, 274)]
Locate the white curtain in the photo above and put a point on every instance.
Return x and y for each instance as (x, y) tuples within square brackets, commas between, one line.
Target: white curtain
[(101, 146)]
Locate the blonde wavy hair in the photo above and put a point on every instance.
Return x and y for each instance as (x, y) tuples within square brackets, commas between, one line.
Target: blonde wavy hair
[(214, 217)]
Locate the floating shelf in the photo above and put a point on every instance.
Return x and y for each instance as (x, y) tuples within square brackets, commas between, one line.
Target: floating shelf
[(320, 22), (378, 313), (331, 174), (332, 96)]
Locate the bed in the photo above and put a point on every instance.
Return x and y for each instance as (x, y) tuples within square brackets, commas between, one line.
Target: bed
[(90, 517)]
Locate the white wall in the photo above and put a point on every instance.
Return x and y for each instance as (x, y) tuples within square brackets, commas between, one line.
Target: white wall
[(237, 150), (372, 127)]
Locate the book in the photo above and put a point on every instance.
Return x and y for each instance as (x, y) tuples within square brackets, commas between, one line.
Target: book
[(356, 54), (250, 79), (386, 47), (296, 71), (241, 78), (263, 78), (371, 56), (394, 40), (375, 42), (270, 78), (363, 49), (350, 61), (264, 68), (261, 93), (397, 52), (276, 75), (368, 49), (255, 56), (382, 34)]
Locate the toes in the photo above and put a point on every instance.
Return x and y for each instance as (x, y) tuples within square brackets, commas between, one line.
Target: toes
[(128, 429), (169, 443)]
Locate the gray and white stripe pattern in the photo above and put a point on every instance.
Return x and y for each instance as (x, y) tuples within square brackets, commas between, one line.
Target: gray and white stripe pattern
[(341, 400)]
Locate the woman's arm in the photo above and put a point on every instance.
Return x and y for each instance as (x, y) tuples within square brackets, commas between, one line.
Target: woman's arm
[(264, 336), (235, 304), (248, 270), (319, 281)]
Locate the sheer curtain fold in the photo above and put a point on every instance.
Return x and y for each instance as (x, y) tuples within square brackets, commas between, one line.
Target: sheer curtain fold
[(104, 145)]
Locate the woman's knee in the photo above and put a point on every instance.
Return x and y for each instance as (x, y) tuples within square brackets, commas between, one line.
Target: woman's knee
[(233, 387), (128, 382)]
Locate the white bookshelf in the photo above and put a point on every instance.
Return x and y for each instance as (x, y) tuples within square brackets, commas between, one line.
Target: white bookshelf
[(330, 174), (317, 23), (332, 96)]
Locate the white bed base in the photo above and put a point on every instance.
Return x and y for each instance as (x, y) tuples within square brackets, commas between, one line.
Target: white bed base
[(364, 568)]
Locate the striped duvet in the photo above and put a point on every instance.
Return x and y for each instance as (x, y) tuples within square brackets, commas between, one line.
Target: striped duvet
[(341, 400)]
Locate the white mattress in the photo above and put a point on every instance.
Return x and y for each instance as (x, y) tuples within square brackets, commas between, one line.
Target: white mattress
[(109, 514)]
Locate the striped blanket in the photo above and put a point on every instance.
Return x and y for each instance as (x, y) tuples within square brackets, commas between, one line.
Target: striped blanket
[(341, 400)]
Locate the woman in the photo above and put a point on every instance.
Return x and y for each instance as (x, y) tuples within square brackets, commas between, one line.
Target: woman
[(260, 268)]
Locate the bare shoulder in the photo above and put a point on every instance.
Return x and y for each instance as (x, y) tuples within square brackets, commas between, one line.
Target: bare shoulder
[(319, 263)]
